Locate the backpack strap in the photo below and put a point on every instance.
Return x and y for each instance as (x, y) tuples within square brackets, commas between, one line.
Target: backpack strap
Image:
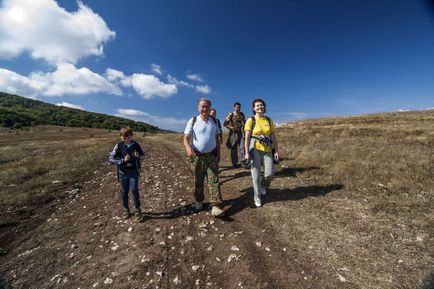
[(194, 121), (213, 119), (254, 121)]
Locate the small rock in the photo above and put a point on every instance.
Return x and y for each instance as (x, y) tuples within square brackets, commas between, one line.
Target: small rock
[(342, 278), (232, 257), (108, 281)]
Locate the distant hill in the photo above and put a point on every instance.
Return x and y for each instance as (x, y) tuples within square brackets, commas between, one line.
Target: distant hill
[(17, 111)]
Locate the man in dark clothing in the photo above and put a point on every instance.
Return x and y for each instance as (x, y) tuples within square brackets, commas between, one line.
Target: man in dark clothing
[(235, 123)]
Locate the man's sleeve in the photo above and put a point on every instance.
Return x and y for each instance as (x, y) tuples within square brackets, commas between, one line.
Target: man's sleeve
[(189, 128), (227, 119)]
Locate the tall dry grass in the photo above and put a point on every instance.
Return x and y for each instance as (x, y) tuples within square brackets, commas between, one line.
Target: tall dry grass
[(380, 225)]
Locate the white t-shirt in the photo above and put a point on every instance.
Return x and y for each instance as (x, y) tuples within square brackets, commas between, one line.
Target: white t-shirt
[(203, 134)]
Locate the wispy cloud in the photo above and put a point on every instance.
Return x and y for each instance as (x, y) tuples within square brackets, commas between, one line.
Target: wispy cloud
[(177, 82), (290, 115), (156, 69), (203, 89), (162, 122), (194, 77), (49, 32), (70, 105)]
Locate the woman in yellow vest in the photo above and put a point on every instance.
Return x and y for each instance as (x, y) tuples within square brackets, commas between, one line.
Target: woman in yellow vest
[(261, 143)]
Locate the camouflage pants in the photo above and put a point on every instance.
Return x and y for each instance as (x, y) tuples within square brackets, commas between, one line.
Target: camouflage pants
[(206, 166)]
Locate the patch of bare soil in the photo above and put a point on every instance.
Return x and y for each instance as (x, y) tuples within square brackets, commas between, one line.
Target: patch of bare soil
[(290, 242)]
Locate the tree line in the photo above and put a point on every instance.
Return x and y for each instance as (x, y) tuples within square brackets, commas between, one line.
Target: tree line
[(17, 112)]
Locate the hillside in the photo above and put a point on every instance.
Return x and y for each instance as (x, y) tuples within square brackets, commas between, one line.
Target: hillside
[(351, 206), (17, 111)]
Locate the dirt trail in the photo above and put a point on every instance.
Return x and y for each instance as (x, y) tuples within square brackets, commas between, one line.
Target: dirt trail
[(84, 243)]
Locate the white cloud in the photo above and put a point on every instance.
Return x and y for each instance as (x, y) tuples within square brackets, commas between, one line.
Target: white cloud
[(70, 105), (156, 68), (66, 79), (177, 82), (149, 86), (14, 83), (146, 85), (49, 32), (162, 122), (114, 75), (203, 89), (132, 112), (195, 77)]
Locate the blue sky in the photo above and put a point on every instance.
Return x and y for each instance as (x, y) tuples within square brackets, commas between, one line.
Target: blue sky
[(152, 60)]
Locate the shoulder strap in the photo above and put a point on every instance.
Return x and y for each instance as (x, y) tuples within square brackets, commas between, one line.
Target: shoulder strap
[(119, 148), (194, 121), (254, 121), (213, 119)]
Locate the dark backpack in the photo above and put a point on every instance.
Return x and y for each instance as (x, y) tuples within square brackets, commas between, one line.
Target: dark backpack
[(121, 151)]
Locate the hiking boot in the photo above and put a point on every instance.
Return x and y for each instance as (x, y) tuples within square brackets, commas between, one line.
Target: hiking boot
[(138, 215), (126, 214), (217, 212), (198, 206), (263, 191)]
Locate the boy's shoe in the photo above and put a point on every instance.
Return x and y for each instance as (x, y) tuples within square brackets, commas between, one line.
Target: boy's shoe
[(126, 214), (217, 212), (263, 191), (258, 204), (198, 206), (138, 215)]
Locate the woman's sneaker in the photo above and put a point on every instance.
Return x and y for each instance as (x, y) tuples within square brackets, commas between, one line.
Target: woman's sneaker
[(216, 211)]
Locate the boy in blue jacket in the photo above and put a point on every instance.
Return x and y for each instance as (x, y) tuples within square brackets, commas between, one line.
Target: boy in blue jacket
[(127, 155)]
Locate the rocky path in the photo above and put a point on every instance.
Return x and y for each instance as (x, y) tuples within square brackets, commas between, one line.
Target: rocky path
[(84, 243)]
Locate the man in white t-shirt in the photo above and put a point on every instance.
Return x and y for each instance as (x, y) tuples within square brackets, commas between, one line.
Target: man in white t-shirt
[(202, 146)]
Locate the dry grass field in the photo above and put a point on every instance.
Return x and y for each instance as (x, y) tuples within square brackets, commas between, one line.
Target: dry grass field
[(38, 163), (351, 206)]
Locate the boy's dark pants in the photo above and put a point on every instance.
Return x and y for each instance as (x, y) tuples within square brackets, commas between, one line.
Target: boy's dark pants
[(129, 181)]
